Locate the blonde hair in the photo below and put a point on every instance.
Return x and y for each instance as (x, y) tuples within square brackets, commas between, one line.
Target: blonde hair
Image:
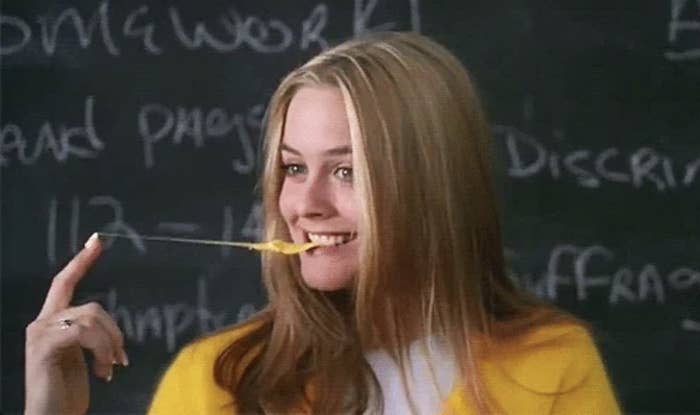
[(429, 230)]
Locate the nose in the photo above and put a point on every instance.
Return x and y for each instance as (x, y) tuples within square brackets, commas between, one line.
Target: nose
[(314, 198)]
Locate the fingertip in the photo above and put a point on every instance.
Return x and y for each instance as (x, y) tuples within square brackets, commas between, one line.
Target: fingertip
[(105, 372), (92, 241), (125, 358), (121, 358)]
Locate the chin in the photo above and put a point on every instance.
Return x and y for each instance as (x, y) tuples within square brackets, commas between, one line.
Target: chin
[(324, 282)]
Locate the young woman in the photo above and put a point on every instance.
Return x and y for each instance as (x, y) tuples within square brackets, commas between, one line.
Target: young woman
[(379, 149)]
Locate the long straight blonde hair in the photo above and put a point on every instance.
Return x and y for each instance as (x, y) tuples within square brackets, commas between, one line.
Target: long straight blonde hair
[(431, 254)]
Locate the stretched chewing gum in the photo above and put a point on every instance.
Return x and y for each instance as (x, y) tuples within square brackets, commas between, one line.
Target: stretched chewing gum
[(276, 245), (286, 248)]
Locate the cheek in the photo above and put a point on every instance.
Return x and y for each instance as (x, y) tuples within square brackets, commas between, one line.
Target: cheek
[(349, 206), (284, 203)]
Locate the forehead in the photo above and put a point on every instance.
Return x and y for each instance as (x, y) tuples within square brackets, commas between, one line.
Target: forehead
[(316, 119)]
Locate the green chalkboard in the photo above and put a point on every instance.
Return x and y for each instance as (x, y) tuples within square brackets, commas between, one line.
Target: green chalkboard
[(144, 118)]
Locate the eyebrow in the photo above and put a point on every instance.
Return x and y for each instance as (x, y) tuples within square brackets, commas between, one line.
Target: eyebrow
[(336, 151)]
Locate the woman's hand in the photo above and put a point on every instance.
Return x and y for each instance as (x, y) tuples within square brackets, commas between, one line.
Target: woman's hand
[(56, 375)]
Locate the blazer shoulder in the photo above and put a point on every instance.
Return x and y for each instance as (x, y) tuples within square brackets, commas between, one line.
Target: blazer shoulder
[(549, 358), (213, 344), (188, 384)]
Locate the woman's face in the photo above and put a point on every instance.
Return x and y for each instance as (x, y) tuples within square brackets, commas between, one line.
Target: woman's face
[(317, 200)]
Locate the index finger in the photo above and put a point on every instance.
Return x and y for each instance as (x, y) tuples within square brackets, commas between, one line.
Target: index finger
[(63, 286)]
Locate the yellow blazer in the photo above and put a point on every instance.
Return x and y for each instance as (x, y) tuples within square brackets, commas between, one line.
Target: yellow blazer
[(551, 370)]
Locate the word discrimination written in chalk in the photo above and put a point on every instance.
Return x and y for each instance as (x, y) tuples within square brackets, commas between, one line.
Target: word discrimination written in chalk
[(529, 157)]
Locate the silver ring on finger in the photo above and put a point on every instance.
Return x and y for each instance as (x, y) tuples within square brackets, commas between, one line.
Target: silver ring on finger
[(65, 323)]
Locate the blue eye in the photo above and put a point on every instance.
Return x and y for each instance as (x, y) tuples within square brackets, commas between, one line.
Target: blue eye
[(344, 173), (293, 169)]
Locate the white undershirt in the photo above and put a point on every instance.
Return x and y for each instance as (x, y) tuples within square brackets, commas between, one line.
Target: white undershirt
[(428, 391)]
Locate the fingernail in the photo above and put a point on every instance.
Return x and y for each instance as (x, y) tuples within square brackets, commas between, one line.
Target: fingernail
[(91, 241), (109, 377), (125, 358)]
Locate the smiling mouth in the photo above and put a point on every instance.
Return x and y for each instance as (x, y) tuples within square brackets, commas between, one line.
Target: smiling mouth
[(330, 239)]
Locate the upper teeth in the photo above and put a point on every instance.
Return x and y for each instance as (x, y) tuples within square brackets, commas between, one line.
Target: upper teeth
[(328, 240)]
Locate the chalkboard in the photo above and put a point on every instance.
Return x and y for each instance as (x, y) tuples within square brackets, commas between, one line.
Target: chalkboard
[(144, 118)]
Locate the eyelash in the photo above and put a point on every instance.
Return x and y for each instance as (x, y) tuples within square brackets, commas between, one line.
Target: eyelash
[(287, 169), (347, 178), (295, 169)]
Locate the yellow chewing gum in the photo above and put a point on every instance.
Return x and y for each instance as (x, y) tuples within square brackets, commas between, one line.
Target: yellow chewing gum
[(286, 248), (282, 247)]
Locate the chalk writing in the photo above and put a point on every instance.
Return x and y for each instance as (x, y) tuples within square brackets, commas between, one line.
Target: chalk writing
[(79, 228), (158, 124), (245, 312), (568, 267), (684, 31), (50, 29), (253, 227), (529, 157), (226, 32), (19, 25), (312, 28), (61, 142), (146, 31), (116, 224), (227, 230), (362, 13), (169, 322), (364, 9), (263, 37), (690, 325)]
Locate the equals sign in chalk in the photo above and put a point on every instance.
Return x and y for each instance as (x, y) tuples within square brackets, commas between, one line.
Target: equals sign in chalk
[(177, 228)]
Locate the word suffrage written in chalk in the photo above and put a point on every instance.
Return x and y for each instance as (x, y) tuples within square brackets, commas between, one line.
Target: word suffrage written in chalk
[(570, 268)]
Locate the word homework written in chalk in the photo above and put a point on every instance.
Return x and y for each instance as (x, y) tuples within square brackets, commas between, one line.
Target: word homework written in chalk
[(155, 31)]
